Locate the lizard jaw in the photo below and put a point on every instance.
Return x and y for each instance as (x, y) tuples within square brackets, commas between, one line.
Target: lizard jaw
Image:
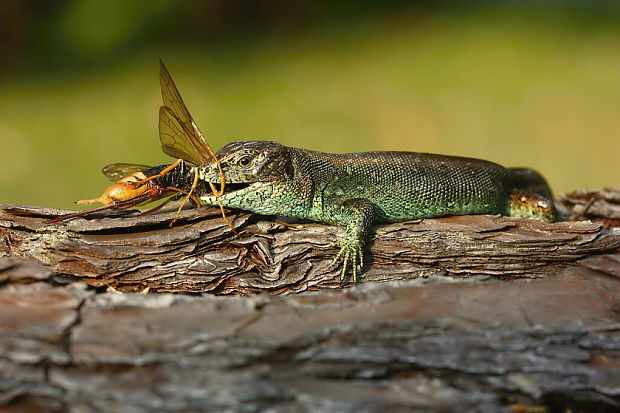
[(231, 191), (257, 197)]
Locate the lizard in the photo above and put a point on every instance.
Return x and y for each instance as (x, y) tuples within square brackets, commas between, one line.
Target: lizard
[(357, 190)]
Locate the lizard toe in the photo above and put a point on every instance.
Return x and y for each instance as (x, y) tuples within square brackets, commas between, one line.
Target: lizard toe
[(350, 259)]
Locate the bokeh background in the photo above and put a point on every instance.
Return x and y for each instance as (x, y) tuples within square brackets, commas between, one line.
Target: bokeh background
[(520, 83)]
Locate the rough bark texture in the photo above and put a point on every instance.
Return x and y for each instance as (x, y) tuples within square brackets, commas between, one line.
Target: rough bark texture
[(476, 313), (201, 254)]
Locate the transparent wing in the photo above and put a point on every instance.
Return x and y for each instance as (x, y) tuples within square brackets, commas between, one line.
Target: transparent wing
[(117, 171), (178, 133), (174, 138)]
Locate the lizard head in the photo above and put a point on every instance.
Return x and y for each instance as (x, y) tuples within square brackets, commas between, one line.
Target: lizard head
[(253, 170)]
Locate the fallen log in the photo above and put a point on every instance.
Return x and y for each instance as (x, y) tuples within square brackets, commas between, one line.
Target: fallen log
[(475, 313), (201, 254)]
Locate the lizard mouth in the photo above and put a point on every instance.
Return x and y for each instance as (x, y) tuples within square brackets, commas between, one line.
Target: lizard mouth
[(233, 187)]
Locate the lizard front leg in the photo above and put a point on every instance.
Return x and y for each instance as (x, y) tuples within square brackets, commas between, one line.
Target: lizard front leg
[(356, 215)]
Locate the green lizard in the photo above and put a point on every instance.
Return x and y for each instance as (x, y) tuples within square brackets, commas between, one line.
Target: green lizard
[(358, 189)]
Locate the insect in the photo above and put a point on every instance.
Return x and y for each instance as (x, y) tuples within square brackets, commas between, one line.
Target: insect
[(136, 184)]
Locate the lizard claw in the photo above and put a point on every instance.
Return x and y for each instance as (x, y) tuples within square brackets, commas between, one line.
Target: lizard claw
[(351, 256)]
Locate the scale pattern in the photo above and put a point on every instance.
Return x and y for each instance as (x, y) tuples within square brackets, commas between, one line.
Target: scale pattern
[(408, 185)]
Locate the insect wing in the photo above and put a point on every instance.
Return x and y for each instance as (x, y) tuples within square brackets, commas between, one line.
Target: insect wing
[(118, 171), (179, 134), (174, 138)]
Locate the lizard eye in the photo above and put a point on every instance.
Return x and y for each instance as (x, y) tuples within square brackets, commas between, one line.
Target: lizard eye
[(245, 161)]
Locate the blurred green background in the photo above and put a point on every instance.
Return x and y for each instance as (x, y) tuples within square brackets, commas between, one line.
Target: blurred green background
[(520, 85)]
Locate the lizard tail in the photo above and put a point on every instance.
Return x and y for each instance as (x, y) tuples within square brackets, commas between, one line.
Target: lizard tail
[(528, 180)]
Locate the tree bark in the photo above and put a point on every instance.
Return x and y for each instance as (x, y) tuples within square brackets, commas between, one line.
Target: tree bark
[(199, 253), (471, 313)]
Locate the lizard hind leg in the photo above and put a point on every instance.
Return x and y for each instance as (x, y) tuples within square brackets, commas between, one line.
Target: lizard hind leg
[(525, 204)]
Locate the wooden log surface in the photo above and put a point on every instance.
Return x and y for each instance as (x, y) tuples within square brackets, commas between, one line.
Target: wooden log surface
[(201, 254), (474, 313)]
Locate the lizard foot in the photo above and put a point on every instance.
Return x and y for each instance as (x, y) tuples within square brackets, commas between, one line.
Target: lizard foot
[(351, 256), (530, 205)]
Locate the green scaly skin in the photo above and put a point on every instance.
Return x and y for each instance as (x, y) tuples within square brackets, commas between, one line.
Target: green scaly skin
[(358, 189)]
